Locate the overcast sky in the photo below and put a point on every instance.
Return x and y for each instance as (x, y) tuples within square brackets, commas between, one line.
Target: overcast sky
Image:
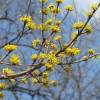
[(83, 5)]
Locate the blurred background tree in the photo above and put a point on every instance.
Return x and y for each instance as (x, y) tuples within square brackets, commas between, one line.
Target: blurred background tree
[(78, 81)]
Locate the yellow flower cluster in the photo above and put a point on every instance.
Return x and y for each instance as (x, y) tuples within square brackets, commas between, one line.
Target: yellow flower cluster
[(88, 13), (91, 51), (43, 79), (31, 26), (72, 51), (42, 55), (43, 1), (24, 80), (29, 22), (25, 18), (42, 27), (49, 21), (69, 8), (59, 1), (49, 66), (51, 6), (57, 38), (74, 34), (2, 95), (2, 85), (44, 11), (45, 82), (88, 29), (35, 73), (55, 29), (35, 42), (45, 75), (7, 71), (53, 46), (34, 81), (78, 25), (12, 81), (14, 59), (94, 6), (34, 56), (10, 47), (58, 22), (53, 9), (52, 59), (85, 58)]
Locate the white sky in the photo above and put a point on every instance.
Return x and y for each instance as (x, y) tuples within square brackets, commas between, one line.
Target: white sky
[(83, 5)]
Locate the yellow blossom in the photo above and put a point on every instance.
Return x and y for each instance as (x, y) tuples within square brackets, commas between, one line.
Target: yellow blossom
[(45, 82), (35, 42), (42, 55), (85, 58), (34, 81), (42, 27), (55, 28), (89, 13), (31, 25), (34, 56), (43, 1), (57, 38), (91, 51), (88, 29), (58, 10), (7, 71), (49, 66), (14, 59), (23, 80), (2, 95), (78, 25), (74, 34), (36, 72), (53, 9), (53, 46), (44, 11), (45, 75), (49, 21), (94, 6), (10, 47), (58, 22), (12, 81), (69, 8), (51, 6), (25, 18), (52, 59), (72, 51), (2, 85), (59, 1)]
